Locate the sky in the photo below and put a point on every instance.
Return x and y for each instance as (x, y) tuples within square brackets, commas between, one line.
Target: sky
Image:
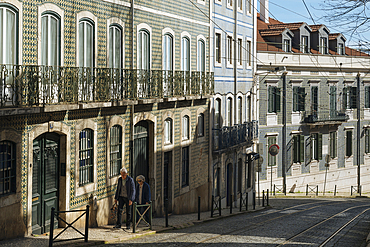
[(276, 9)]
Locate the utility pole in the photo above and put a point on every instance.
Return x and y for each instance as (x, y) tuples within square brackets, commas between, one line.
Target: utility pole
[(235, 57), (132, 110), (358, 149), (283, 148)]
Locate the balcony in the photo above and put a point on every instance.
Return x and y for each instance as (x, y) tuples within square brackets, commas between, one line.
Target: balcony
[(234, 136), (23, 86), (324, 117)]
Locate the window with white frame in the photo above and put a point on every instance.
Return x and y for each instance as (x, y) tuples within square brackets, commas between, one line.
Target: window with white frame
[(86, 157), (229, 49), (86, 43), (349, 143), (7, 167), (8, 35), (229, 112), (115, 150), (287, 45), (218, 47), (323, 45), (201, 124), (229, 3), (249, 6), (249, 52), (115, 46), (217, 113), (185, 127), (240, 5), (341, 49), (50, 39), (185, 167), (201, 56), (316, 146), (240, 51), (167, 52), (304, 44), (333, 144), (168, 131), (185, 54), (143, 50), (240, 110)]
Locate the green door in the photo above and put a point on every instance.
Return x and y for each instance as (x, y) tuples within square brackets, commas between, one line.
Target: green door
[(141, 151), (44, 181)]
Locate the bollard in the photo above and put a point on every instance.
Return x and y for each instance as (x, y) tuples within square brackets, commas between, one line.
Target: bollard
[(87, 223), (274, 190), (150, 214), (134, 217), (240, 202), (246, 201), (166, 211), (317, 190), (254, 200), (335, 190), (213, 199), (351, 190), (306, 189), (359, 188), (231, 204), (219, 205), (51, 227), (267, 197), (198, 207), (263, 198)]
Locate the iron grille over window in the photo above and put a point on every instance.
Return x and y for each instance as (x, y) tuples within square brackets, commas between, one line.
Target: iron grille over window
[(201, 124), (185, 167), (115, 150), (86, 157), (7, 168)]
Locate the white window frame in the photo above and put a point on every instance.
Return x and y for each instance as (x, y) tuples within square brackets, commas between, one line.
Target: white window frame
[(240, 5), (185, 140), (249, 7), (52, 8), (323, 48), (117, 22), (287, 45), (229, 50), (215, 120), (168, 131), (200, 63), (218, 63), (185, 35), (94, 20), (239, 110), (148, 29), (249, 53), (229, 110), (185, 127), (303, 45), (240, 51), (170, 33), (229, 4)]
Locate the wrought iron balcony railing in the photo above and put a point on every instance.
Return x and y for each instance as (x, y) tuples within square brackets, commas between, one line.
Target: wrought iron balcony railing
[(34, 85), (228, 137), (323, 116)]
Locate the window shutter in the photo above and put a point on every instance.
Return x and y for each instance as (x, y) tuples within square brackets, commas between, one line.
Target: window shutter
[(302, 96), (277, 99), (335, 144), (319, 146), (344, 98), (366, 140), (301, 148), (289, 150), (295, 99), (270, 99), (367, 103), (308, 151), (349, 143), (353, 97)]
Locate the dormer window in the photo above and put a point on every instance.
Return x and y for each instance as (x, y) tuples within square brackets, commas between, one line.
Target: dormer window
[(341, 49), (323, 49), (304, 44), (287, 47)]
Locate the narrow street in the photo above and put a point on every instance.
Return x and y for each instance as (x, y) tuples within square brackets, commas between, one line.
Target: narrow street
[(289, 222)]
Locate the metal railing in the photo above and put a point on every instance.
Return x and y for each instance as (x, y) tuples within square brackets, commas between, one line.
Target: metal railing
[(227, 137), (323, 116), (312, 189), (147, 210), (35, 85), (216, 205), (56, 214)]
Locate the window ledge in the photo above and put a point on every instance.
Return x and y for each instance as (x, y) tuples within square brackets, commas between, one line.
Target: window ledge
[(85, 189)]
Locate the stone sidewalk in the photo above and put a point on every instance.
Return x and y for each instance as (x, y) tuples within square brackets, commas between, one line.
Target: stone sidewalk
[(107, 234)]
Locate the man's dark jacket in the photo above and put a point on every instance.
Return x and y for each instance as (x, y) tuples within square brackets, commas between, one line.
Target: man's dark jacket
[(145, 194), (130, 186)]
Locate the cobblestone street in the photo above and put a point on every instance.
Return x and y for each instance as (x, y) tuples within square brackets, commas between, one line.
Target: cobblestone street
[(289, 222)]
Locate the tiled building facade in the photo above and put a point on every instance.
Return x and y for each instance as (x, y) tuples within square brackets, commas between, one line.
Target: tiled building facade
[(326, 83), (79, 100)]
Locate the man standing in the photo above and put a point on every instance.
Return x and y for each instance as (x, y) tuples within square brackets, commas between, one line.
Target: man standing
[(125, 194), (142, 195)]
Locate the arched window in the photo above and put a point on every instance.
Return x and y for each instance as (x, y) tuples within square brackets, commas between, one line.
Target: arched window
[(8, 35), (86, 43), (86, 157), (143, 50), (229, 111), (115, 150), (167, 52), (168, 131), (7, 168), (115, 46), (185, 54), (185, 127), (201, 56), (50, 39), (240, 110), (201, 124)]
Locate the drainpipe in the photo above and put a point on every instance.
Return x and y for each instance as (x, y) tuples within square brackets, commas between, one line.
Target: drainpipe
[(358, 135), (235, 56), (132, 111), (283, 144)]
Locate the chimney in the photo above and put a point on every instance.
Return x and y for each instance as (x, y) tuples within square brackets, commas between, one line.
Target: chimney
[(264, 10)]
